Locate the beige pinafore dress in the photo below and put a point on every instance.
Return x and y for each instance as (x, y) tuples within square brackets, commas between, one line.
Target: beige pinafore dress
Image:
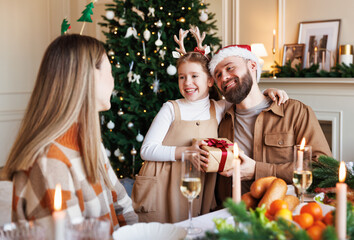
[(156, 194)]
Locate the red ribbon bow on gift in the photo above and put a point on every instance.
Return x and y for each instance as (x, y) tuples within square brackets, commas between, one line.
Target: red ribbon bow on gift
[(222, 144)]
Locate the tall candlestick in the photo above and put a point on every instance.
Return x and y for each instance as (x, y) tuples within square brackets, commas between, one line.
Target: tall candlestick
[(58, 215), (308, 60), (300, 156), (236, 183), (315, 57), (323, 60), (341, 205), (274, 39)]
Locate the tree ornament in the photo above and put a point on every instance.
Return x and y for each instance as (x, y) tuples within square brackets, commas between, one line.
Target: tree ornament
[(118, 65), (108, 152), (203, 16), (131, 31), (130, 124), (110, 52), (139, 137), (133, 152), (151, 12), (109, 15), (121, 158), (162, 54), (158, 42), (114, 93), (110, 125), (121, 21), (159, 24), (171, 70), (102, 120), (140, 13), (120, 112), (156, 84), (65, 26), (147, 34), (117, 152)]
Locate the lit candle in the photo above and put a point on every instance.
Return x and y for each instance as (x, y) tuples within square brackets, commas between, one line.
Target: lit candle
[(315, 58), (323, 59), (341, 205), (58, 215), (236, 184), (274, 39), (308, 60), (300, 156)]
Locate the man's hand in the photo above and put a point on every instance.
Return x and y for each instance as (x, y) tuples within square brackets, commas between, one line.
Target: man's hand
[(248, 167)]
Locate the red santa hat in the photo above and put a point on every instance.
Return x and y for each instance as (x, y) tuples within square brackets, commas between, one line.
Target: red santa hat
[(243, 51)]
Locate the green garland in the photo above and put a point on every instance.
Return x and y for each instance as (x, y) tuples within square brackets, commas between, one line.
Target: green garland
[(325, 173), (338, 71)]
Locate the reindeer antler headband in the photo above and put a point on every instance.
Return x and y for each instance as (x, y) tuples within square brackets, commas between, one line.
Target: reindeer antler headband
[(204, 50)]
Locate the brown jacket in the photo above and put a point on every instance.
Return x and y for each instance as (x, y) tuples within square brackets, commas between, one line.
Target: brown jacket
[(277, 130)]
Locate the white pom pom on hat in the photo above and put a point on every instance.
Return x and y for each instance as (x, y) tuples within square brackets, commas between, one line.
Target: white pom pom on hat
[(243, 51)]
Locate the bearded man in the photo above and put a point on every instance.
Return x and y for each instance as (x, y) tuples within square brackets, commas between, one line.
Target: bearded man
[(265, 131)]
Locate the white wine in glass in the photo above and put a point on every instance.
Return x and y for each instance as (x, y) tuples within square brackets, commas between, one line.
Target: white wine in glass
[(302, 178), (190, 183)]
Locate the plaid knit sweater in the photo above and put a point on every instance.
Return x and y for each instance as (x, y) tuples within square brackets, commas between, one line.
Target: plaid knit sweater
[(33, 193)]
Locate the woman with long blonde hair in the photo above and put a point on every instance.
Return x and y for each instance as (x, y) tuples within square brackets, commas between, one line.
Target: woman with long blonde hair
[(59, 141)]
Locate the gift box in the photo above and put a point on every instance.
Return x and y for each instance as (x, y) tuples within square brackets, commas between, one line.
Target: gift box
[(221, 154)]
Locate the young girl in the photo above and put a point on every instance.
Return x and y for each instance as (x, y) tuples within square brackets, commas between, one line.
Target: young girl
[(156, 195), (59, 141)]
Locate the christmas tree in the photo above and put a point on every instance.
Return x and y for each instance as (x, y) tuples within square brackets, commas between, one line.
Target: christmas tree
[(140, 44)]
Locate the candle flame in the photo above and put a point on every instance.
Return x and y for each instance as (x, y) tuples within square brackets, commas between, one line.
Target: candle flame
[(302, 145), (342, 172), (315, 49), (273, 31), (235, 150), (57, 198)]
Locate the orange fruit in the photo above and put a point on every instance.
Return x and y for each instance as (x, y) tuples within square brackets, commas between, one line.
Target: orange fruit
[(320, 224), (328, 218), (314, 209), (284, 213), (305, 220), (315, 232), (276, 205)]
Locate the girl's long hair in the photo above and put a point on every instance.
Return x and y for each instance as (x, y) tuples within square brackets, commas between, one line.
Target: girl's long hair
[(63, 95)]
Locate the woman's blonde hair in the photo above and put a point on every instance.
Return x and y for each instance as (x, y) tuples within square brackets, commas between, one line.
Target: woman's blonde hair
[(63, 95)]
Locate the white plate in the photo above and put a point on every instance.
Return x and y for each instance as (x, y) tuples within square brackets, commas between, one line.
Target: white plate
[(147, 231)]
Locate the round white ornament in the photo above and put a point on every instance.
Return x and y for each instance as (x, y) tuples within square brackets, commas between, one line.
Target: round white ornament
[(147, 34), (108, 152), (110, 52), (117, 152), (159, 23), (109, 15), (139, 137), (171, 70), (203, 16), (130, 124), (110, 125), (120, 112)]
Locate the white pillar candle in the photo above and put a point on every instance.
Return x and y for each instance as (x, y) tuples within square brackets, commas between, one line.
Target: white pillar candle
[(341, 205), (300, 156), (315, 57), (274, 39), (58, 215), (308, 60), (323, 60), (236, 178)]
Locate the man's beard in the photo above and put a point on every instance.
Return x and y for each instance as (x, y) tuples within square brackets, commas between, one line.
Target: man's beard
[(239, 92)]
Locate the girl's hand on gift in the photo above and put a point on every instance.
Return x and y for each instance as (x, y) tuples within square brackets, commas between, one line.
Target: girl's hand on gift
[(273, 93), (196, 146)]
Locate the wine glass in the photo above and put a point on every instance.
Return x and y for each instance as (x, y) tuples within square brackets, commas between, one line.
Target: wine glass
[(302, 177), (190, 183)]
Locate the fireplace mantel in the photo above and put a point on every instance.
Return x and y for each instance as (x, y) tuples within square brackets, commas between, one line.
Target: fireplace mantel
[(332, 100)]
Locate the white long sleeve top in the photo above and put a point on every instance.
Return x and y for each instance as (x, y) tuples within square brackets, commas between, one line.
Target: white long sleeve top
[(152, 148)]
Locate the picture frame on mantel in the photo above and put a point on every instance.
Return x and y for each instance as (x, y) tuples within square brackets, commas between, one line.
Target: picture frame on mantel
[(321, 40), (293, 53)]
